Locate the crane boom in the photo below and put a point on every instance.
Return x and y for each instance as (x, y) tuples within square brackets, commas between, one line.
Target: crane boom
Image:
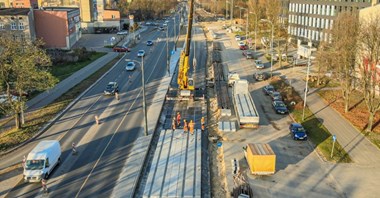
[(184, 82)]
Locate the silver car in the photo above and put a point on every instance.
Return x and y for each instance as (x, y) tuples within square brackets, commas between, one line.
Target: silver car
[(141, 53), (130, 66), (259, 64)]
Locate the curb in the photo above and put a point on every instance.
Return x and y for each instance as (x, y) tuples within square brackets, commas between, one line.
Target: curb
[(53, 120)]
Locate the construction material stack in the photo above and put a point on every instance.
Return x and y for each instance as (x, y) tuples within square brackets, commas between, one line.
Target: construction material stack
[(245, 108)]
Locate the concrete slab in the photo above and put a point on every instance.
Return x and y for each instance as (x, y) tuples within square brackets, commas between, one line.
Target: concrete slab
[(198, 156), (189, 169), (126, 183)]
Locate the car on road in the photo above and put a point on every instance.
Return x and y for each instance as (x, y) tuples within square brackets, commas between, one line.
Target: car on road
[(167, 21), (130, 66), (4, 98), (123, 32), (275, 95), (237, 37), (161, 28), (148, 23), (149, 43), (121, 49), (268, 89), (259, 64), (243, 47), (297, 131), (261, 76), (141, 53), (279, 107), (111, 88), (248, 54)]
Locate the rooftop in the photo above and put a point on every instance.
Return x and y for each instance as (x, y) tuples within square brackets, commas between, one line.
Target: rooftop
[(14, 11)]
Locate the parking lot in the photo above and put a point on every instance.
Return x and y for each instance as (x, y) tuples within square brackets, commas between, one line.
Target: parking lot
[(299, 171)]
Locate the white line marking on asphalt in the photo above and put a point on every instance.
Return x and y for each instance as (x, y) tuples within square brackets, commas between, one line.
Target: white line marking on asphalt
[(109, 142)]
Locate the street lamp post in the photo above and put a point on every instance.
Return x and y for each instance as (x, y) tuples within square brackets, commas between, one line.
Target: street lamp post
[(271, 47), (306, 84), (255, 29), (240, 8), (143, 89), (232, 12), (167, 50)]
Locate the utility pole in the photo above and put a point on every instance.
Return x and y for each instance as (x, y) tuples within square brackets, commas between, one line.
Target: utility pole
[(144, 99), (167, 50)]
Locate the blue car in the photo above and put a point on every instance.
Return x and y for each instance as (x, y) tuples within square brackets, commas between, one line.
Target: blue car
[(149, 43), (279, 107), (297, 131)]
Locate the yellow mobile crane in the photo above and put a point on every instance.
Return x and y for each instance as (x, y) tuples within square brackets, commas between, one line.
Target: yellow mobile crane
[(186, 83)]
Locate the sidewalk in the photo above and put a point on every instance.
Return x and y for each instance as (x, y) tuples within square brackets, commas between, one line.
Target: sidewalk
[(361, 150)]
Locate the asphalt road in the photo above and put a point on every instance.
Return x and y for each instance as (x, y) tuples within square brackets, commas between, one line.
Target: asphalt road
[(102, 148)]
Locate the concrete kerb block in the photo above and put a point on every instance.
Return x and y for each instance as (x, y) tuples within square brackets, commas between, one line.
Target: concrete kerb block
[(47, 125)]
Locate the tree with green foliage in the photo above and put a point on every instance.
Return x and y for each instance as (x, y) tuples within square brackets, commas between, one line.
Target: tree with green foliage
[(22, 68)]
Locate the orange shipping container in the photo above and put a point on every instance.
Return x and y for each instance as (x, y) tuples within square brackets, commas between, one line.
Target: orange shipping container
[(261, 159)]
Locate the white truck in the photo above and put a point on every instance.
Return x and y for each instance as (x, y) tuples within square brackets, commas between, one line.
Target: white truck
[(232, 77), (245, 108), (41, 161)]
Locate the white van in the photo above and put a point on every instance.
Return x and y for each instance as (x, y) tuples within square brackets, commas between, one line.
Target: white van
[(42, 160)]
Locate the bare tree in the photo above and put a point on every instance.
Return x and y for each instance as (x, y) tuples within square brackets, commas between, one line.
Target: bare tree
[(369, 56), (344, 45), (22, 69)]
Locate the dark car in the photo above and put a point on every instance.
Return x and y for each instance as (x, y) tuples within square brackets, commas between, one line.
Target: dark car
[(268, 89), (149, 43), (261, 76), (248, 54), (121, 49), (279, 107), (275, 96), (297, 131), (111, 88)]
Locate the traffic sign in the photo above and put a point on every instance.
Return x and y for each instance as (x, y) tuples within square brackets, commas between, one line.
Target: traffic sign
[(334, 138), (219, 144)]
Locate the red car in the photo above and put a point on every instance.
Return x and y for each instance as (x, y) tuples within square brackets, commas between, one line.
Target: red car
[(121, 49), (243, 47)]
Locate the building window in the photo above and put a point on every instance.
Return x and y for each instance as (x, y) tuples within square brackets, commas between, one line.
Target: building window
[(2, 26), (113, 16), (13, 26), (327, 24), (20, 25), (323, 9)]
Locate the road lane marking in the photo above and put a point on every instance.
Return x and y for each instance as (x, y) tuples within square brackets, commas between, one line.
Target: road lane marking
[(109, 142)]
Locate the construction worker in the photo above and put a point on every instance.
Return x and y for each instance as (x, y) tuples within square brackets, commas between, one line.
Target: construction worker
[(178, 119), (203, 124), (185, 126), (191, 127), (173, 124), (44, 186), (117, 95), (97, 120)]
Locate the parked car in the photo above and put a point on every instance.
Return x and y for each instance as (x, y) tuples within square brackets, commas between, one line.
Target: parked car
[(248, 54), (297, 131), (121, 49), (261, 76), (111, 88), (268, 89), (243, 47), (241, 43), (123, 32), (279, 107), (141, 53), (237, 37), (4, 98), (149, 43), (130, 66), (161, 28), (259, 64), (275, 96)]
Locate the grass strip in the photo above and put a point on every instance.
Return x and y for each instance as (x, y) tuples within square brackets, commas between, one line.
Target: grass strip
[(38, 118), (316, 131), (63, 71)]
